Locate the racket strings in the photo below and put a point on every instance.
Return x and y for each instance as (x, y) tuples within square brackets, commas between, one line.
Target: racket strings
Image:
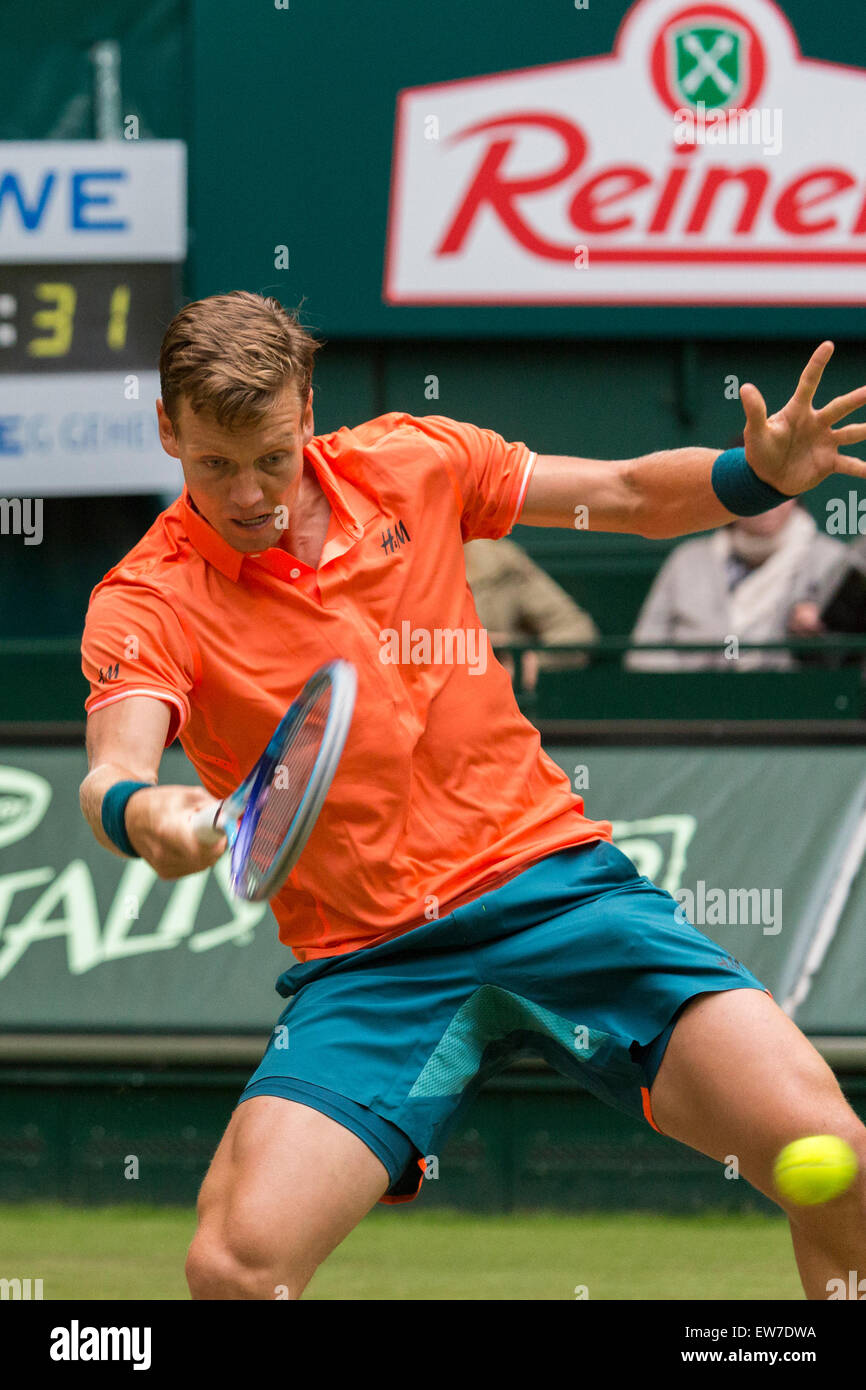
[(282, 796)]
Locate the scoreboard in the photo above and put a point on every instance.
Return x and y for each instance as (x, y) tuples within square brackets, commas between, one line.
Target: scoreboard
[(97, 317), (92, 244)]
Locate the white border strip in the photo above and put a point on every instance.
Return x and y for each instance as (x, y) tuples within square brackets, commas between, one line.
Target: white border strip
[(152, 694), (527, 474), (830, 917)]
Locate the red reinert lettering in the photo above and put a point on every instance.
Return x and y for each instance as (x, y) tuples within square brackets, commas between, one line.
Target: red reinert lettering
[(669, 212)]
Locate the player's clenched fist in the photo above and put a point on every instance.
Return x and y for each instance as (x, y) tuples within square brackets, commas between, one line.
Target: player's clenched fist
[(158, 823)]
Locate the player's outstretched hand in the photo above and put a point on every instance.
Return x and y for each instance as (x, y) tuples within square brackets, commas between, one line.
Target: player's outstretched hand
[(797, 448), (158, 823)]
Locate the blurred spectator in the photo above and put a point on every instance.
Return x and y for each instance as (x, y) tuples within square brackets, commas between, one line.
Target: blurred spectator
[(836, 603), (742, 580), (517, 602)]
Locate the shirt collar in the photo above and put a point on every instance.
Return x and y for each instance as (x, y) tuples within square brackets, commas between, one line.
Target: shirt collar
[(209, 544), (350, 507)]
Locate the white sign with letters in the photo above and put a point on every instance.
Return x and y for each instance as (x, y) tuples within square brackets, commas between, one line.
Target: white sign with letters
[(92, 200), (77, 433), (703, 161)]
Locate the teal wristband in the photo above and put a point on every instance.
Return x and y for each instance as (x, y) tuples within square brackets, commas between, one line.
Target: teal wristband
[(740, 489), (114, 814)]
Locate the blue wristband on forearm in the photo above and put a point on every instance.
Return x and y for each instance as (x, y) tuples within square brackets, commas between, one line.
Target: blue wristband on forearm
[(740, 489), (114, 814)]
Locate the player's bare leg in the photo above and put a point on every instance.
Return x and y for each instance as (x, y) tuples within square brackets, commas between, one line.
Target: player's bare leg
[(286, 1185), (738, 1077)]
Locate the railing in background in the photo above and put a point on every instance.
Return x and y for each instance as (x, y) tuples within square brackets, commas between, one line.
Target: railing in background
[(827, 682), (41, 682)]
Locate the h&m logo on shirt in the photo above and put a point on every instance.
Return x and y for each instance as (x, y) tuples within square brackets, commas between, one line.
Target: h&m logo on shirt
[(392, 540)]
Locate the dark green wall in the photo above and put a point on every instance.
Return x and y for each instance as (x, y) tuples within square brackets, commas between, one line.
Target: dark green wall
[(46, 73), (528, 1140)]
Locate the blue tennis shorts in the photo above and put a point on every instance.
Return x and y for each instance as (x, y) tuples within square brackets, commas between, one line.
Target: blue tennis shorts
[(578, 958)]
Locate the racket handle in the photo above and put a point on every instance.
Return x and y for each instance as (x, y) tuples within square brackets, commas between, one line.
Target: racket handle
[(204, 823)]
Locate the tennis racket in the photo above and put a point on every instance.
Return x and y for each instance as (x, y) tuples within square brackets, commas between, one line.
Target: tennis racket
[(268, 818)]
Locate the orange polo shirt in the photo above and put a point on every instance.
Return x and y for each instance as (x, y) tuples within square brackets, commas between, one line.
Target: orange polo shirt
[(443, 789)]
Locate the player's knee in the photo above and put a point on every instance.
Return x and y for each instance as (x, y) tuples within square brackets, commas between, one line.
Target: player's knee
[(839, 1225), (241, 1267)]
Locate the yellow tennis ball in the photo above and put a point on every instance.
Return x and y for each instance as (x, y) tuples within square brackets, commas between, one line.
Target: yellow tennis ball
[(815, 1170)]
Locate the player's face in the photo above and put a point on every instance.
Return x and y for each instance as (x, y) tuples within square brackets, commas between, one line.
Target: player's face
[(245, 482)]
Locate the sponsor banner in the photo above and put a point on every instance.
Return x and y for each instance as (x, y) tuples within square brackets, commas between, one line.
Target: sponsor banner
[(83, 435), (752, 843), (89, 940), (92, 200), (703, 161)]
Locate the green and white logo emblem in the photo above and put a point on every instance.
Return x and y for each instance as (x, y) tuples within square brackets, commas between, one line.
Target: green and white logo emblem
[(708, 65)]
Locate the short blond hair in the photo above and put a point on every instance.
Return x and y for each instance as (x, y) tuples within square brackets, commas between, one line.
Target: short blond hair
[(231, 355)]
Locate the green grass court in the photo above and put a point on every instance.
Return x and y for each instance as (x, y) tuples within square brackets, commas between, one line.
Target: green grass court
[(138, 1252)]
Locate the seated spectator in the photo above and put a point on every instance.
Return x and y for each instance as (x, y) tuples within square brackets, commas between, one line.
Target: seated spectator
[(740, 581), (517, 602), (835, 604)]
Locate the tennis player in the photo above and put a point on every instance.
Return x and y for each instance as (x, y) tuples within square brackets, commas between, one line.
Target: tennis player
[(453, 906)]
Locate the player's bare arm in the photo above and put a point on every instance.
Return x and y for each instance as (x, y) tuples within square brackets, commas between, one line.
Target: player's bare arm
[(124, 744), (670, 493)]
